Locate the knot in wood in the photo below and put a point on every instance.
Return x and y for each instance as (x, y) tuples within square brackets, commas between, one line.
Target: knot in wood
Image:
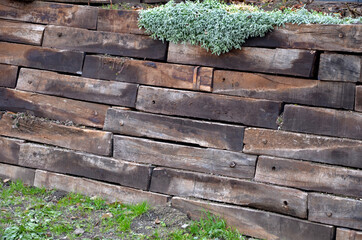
[(232, 164)]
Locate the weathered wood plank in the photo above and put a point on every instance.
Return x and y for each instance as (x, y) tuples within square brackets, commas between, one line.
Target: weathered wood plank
[(247, 111), (110, 192), (21, 32), (43, 58), (336, 151), (51, 83), (293, 62), (340, 67), (202, 133), (241, 192), (9, 150), (83, 1), (8, 75), (85, 165), (286, 89), (39, 130), (309, 176), (344, 38), (50, 13), (62, 109), (334, 210), (148, 73), (348, 234), (358, 106), (323, 121), (120, 21), (214, 161), (255, 223), (26, 175), (120, 44)]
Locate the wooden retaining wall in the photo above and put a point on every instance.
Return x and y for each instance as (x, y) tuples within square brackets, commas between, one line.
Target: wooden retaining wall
[(269, 136)]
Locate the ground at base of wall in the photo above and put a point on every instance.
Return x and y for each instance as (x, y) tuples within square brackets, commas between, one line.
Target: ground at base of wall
[(33, 213)]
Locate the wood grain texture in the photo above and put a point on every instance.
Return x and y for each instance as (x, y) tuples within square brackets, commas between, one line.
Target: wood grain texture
[(240, 192), (9, 150), (148, 73), (111, 193), (120, 21), (8, 75), (282, 61), (255, 223), (286, 89), (214, 161), (334, 210), (82, 1), (202, 133), (323, 121), (120, 44), (50, 13), (348, 234), (87, 140), (209, 106), (340, 67), (344, 38), (39, 57), (14, 173), (51, 83), (335, 151), (85, 165), (19, 32), (358, 101), (309, 176), (62, 109)]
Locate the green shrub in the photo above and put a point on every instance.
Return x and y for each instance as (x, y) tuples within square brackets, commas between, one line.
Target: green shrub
[(219, 27)]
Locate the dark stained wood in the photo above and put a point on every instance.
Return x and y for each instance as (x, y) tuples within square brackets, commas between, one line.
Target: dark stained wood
[(334, 210), (120, 21), (21, 32), (110, 192), (247, 111), (14, 173), (309, 176), (120, 44), (39, 130), (348, 234), (202, 133), (8, 75), (38, 57), (346, 38), (50, 83), (282, 61), (241, 192), (214, 161), (255, 223), (358, 106), (82, 1), (50, 13), (340, 67), (286, 89), (323, 121), (336, 151), (9, 150), (62, 109), (85, 165), (148, 73)]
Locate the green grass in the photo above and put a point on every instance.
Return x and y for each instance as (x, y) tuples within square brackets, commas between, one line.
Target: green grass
[(32, 213)]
